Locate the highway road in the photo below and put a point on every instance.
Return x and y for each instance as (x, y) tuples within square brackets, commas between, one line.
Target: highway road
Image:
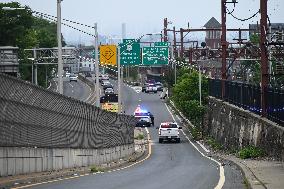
[(171, 165)]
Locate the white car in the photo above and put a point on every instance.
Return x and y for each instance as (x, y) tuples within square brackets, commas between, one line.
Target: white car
[(169, 131), (151, 88), (67, 74), (73, 77)]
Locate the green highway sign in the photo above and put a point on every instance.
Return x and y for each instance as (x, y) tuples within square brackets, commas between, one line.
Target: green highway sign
[(161, 44), (130, 52), (155, 55)]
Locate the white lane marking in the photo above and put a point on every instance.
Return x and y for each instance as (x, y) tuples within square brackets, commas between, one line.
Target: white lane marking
[(72, 91), (221, 172), (71, 85), (203, 147)]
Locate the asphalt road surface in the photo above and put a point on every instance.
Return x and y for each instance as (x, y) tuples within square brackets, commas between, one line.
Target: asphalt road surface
[(171, 165)]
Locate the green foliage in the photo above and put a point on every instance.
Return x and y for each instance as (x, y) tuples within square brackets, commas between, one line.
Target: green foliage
[(95, 169), (250, 71), (250, 152), (254, 39), (139, 137), (196, 133), (19, 28), (213, 143)]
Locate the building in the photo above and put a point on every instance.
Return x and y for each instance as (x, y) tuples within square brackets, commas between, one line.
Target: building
[(277, 31), (213, 38), (9, 62)]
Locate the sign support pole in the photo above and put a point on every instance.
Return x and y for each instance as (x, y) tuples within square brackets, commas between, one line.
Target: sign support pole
[(119, 79), (97, 66)]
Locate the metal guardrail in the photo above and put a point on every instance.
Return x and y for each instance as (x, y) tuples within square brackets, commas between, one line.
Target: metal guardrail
[(248, 97), (33, 117)]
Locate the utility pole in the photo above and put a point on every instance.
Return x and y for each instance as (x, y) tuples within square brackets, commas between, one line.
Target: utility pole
[(199, 70), (165, 29), (35, 68), (119, 80), (175, 41), (59, 44), (224, 45), (181, 43), (264, 56), (97, 66)]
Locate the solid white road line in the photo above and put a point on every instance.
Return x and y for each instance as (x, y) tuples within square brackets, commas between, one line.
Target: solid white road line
[(221, 172), (203, 147)]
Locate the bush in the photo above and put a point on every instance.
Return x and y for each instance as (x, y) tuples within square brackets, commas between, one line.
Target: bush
[(250, 152), (196, 133), (213, 143), (95, 169), (139, 137)]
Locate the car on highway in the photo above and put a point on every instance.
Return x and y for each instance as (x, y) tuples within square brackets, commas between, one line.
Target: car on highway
[(88, 74), (144, 88), (73, 77), (151, 88), (159, 86), (105, 82), (144, 122), (108, 85), (109, 91), (67, 74), (140, 113), (169, 131)]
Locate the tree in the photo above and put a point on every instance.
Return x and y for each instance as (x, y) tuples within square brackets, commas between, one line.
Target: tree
[(186, 95), (19, 28)]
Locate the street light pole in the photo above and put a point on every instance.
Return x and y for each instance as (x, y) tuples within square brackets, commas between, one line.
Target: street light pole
[(97, 66), (119, 80), (199, 70), (59, 44)]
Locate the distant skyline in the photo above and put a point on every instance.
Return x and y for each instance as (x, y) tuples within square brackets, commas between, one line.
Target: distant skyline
[(147, 17)]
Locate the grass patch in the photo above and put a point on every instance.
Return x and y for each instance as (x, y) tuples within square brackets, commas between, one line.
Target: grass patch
[(250, 152), (246, 183), (139, 136), (95, 169), (195, 132), (213, 143)]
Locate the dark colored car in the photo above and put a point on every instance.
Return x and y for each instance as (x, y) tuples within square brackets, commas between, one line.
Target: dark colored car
[(88, 74), (144, 88), (107, 86), (144, 122)]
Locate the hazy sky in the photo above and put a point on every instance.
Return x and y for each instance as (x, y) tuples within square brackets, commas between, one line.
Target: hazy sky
[(147, 16)]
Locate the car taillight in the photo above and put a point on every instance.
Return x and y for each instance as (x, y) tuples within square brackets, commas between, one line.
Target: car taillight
[(159, 131)]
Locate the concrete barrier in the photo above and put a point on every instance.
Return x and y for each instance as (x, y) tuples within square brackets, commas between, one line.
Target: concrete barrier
[(236, 128), (17, 160)]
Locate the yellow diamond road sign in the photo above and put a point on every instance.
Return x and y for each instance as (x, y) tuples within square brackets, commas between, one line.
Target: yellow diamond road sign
[(108, 55)]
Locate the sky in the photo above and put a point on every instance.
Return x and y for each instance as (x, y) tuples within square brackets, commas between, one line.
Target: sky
[(147, 16)]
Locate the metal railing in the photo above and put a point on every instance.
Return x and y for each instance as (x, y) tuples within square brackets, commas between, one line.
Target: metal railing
[(248, 97), (33, 117)]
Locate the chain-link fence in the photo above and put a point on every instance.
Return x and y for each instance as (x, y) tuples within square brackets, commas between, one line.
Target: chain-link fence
[(33, 117)]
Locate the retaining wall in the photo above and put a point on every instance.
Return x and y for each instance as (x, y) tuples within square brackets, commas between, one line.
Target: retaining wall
[(16, 160), (235, 128)]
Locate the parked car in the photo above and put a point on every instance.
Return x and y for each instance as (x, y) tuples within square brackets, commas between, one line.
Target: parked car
[(169, 131), (73, 77), (109, 91)]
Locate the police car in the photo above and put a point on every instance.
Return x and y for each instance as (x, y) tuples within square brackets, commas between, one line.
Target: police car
[(146, 119)]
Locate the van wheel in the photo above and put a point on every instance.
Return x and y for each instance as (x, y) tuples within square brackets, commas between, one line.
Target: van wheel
[(160, 140)]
